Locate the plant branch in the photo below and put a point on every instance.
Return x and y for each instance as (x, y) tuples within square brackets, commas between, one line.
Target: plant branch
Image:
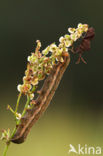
[(6, 149), (8, 142), (18, 100)]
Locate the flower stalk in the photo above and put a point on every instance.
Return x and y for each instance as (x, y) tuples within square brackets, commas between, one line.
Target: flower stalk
[(49, 62)]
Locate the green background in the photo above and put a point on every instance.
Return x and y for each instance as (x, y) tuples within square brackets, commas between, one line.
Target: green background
[(75, 115)]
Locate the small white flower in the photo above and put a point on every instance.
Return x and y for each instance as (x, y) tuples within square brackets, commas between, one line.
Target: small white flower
[(32, 59), (24, 78), (18, 116), (28, 106), (71, 30), (61, 45), (79, 31), (80, 25), (19, 87), (60, 51), (35, 81), (31, 96), (85, 27), (46, 51), (28, 59), (28, 86), (74, 37), (68, 43), (65, 49), (61, 39), (67, 37), (53, 47)]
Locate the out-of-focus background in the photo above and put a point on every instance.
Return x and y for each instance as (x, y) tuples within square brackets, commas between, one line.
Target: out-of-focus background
[(75, 115)]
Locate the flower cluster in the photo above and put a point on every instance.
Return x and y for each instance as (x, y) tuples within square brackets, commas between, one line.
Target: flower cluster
[(5, 134), (41, 63)]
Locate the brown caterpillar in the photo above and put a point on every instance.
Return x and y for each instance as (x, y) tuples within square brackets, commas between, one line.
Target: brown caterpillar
[(46, 94)]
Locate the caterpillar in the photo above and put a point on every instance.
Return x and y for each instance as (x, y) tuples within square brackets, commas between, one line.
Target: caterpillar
[(41, 103)]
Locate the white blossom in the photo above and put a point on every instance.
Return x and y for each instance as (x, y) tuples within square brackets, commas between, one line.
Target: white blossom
[(19, 87), (18, 116), (31, 96), (61, 39)]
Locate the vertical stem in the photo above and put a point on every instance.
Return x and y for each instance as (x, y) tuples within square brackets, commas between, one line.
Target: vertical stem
[(6, 149), (28, 100), (18, 100), (26, 105)]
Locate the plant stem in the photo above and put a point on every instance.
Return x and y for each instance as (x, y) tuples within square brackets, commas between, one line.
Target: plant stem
[(23, 113), (18, 100), (6, 149), (26, 106)]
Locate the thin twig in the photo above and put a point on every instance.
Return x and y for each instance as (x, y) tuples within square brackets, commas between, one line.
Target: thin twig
[(18, 100)]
